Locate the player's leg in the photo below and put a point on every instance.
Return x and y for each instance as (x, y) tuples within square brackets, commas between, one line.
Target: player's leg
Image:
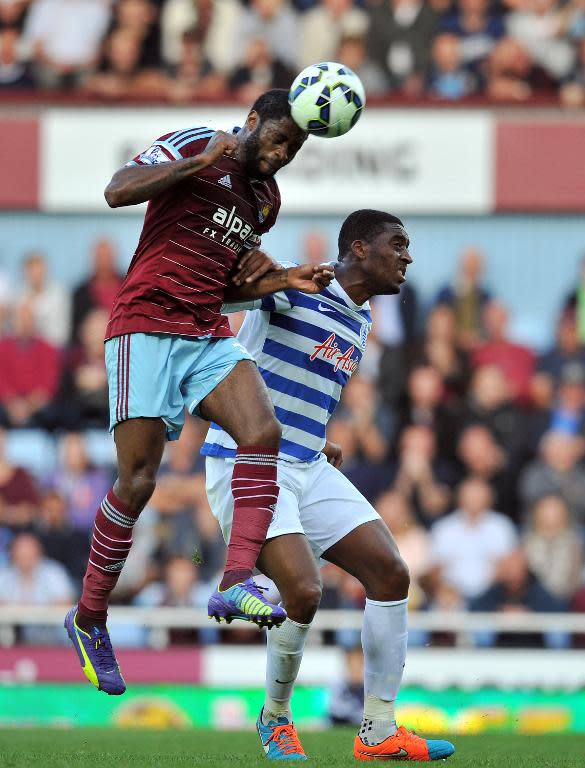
[(369, 553), (241, 405), (287, 559), (139, 445), (143, 408), (290, 563)]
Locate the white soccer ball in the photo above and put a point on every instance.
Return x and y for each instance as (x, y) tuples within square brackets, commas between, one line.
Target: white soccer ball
[(327, 99)]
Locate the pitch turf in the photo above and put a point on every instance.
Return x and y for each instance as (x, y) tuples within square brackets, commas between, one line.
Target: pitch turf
[(120, 748)]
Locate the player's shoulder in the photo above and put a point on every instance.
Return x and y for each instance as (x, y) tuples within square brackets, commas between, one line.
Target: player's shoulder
[(178, 141)]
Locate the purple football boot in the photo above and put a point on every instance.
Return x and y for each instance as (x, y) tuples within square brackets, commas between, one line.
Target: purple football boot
[(96, 655), (245, 601)]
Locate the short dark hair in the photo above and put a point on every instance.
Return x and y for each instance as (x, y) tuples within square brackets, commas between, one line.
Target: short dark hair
[(272, 105), (365, 224)]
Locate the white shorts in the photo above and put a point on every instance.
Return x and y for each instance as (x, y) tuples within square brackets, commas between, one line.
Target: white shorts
[(315, 499)]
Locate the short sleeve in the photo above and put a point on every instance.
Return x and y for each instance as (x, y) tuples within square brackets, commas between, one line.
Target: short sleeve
[(174, 146)]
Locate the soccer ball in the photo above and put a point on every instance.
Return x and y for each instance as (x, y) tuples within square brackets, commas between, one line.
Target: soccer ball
[(327, 99)]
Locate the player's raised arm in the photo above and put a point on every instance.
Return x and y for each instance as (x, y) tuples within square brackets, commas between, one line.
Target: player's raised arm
[(305, 278), (135, 183)]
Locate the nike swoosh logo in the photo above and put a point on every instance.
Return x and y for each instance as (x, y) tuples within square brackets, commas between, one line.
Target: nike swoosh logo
[(386, 756), (284, 682), (323, 308)]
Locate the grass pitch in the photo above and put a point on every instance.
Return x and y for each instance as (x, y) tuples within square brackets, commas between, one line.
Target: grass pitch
[(140, 748)]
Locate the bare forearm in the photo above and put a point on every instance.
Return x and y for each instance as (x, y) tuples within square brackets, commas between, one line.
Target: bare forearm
[(271, 282), (138, 183)]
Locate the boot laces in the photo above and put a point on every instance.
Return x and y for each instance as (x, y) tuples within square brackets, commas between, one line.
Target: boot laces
[(104, 650), (286, 737)]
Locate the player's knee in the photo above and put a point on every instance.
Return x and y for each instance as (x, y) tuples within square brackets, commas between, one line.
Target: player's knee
[(136, 490), (303, 603), (389, 579), (266, 433)]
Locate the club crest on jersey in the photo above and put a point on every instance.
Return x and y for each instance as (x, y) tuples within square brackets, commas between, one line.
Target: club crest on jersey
[(264, 212), (330, 350)]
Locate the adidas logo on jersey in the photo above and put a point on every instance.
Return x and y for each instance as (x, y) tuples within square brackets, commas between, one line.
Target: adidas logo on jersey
[(226, 181)]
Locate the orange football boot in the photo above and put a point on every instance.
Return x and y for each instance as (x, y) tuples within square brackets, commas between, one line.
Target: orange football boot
[(403, 745)]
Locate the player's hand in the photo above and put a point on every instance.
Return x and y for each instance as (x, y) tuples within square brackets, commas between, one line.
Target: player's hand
[(221, 143), (309, 279), (334, 454), (253, 265)]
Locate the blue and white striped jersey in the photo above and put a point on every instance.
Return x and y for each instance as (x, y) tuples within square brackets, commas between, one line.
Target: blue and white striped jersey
[(306, 348)]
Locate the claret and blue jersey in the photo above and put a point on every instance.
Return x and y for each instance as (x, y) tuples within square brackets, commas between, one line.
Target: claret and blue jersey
[(307, 347)]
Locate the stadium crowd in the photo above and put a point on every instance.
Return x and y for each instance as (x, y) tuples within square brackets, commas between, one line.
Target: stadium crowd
[(471, 447), (183, 51)]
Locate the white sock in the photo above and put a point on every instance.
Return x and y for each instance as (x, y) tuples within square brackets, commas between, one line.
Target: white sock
[(384, 639), (284, 654)]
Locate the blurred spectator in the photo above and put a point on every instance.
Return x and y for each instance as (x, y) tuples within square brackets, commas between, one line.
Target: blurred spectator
[(83, 393), (259, 71), (394, 318), (440, 349), (370, 479), (192, 78), (478, 28), (371, 421), (120, 74), (60, 540), (514, 360), (140, 18), (216, 23), (398, 40), (352, 52), (512, 75), (81, 484), (556, 472), (184, 526), (424, 402), (488, 402), (573, 89), (316, 248), (449, 79), (363, 426), (32, 579), (468, 297), (30, 371), (575, 302), (323, 27), (567, 349), (19, 497), (101, 287), (482, 457), (552, 539), (276, 23), (50, 301), (180, 588), (420, 475), (15, 71), (517, 590), (568, 410), (13, 13), (411, 538), (538, 26), (466, 544), (64, 38), (346, 702)]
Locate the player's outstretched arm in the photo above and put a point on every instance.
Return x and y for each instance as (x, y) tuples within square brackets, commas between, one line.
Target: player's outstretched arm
[(305, 278), (136, 184)]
